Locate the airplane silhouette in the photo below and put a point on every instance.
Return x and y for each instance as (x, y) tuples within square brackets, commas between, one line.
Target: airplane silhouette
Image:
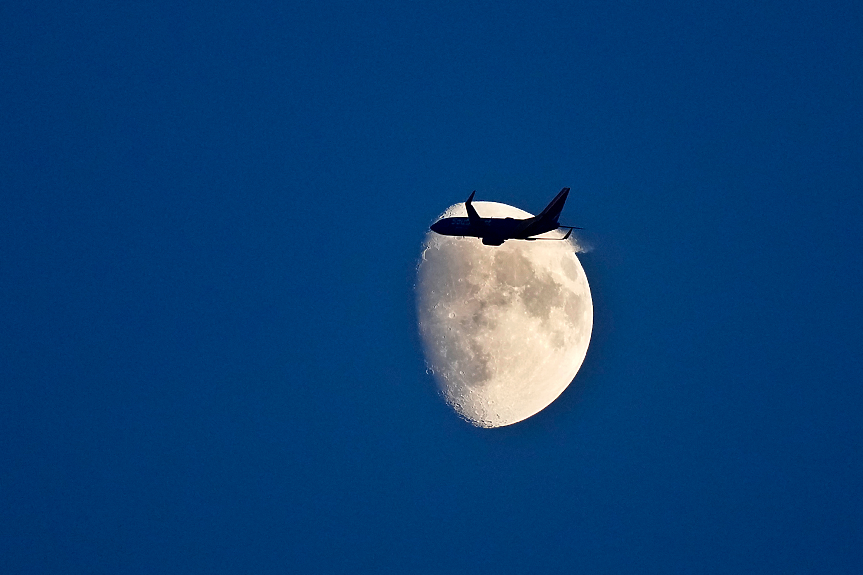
[(495, 231)]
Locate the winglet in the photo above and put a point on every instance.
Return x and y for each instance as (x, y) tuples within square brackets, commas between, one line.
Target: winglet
[(566, 237), (471, 213)]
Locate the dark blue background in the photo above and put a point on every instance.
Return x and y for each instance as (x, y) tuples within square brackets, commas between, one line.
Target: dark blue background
[(210, 217)]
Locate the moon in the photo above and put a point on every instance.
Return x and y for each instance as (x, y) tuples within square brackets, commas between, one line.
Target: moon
[(504, 328)]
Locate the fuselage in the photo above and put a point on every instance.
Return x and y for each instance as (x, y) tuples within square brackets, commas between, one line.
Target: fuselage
[(493, 231)]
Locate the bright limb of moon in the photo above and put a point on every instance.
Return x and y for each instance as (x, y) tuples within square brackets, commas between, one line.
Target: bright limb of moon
[(504, 328)]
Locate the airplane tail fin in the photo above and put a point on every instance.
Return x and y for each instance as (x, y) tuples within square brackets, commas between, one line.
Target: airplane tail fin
[(547, 218), (552, 211)]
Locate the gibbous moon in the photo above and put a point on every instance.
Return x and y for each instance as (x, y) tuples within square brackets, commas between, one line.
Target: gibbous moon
[(504, 328)]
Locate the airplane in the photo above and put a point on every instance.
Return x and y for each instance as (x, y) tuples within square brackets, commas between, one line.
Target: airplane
[(495, 231)]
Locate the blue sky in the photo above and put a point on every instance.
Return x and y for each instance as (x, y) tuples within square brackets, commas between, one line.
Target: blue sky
[(210, 220)]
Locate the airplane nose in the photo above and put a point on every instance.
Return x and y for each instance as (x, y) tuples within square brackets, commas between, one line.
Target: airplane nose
[(435, 226)]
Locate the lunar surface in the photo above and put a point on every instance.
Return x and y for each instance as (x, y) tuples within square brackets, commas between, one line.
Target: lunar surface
[(504, 328)]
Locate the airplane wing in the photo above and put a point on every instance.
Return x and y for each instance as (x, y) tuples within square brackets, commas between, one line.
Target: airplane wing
[(475, 221)]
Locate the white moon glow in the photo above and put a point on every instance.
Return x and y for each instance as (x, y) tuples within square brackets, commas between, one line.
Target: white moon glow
[(504, 328)]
